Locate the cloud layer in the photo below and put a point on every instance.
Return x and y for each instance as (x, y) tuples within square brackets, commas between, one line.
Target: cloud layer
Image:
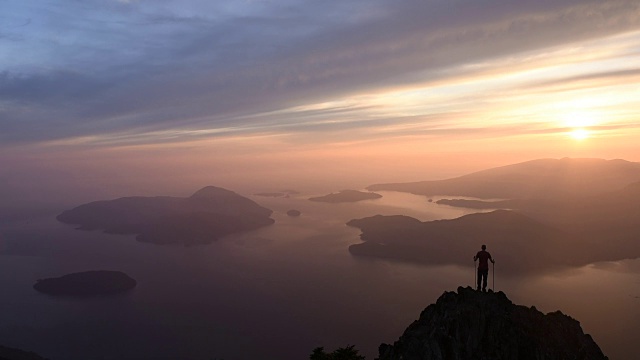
[(152, 71)]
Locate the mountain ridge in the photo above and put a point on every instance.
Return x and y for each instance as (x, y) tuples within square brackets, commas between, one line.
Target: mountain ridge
[(540, 178)]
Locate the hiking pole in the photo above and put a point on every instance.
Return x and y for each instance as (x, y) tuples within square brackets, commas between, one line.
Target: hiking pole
[(494, 275), (475, 274)]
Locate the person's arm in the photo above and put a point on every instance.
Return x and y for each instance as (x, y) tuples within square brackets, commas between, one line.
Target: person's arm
[(492, 261)]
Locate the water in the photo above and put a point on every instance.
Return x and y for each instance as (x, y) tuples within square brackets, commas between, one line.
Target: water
[(274, 293)]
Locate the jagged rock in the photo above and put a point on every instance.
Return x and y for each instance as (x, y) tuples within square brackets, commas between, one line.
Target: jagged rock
[(7, 353), (471, 325)]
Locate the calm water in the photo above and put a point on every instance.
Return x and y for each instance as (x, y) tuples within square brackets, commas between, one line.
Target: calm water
[(275, 293)]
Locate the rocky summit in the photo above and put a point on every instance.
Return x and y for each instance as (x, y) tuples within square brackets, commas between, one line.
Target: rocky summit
[(472, 325)]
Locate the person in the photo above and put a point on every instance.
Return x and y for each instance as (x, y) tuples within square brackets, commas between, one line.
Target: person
[(483, 267)]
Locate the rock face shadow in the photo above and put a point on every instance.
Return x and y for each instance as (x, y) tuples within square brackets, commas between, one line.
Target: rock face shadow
[(477, 325)]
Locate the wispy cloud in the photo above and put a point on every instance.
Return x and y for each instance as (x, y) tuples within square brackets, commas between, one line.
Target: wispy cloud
[(137, 71)]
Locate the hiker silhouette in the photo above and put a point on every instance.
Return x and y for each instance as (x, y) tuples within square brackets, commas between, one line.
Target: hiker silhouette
[(483, 267)]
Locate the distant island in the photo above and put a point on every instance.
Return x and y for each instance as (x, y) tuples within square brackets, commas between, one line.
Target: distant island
[(283, 193), (294, 213), (205, 216), (519, 243), (86, 284), (553, 213), (271, 194), (347, 196), (475, 325), (475, 204)]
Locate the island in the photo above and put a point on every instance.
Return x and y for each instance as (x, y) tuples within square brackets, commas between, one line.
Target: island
[(205, 216), (553, 213), (517, 242), (87, 284), (283, 193), (475, 204), (294, 213), (347, 196)]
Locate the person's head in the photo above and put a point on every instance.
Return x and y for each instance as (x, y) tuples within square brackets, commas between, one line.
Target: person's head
[(484, 247)]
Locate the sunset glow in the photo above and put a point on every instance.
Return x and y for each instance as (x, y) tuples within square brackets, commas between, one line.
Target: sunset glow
[(579, 134), (279, 176)]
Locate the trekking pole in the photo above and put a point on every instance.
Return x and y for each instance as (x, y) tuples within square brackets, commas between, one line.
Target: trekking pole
[(475, 274), (494, 276)]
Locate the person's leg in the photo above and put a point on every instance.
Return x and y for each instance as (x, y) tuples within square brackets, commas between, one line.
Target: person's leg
[(479, 279), (485, 275)]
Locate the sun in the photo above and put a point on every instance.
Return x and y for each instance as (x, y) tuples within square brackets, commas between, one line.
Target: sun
[(578, 124), (579, 134)]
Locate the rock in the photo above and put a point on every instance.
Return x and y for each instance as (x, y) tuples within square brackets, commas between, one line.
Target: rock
[(474, 325), (86, 284), (294, 213), (7, 353)]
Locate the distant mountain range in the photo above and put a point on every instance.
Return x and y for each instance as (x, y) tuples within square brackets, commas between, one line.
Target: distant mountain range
[(566, 212), (205, 216), (541, 178)]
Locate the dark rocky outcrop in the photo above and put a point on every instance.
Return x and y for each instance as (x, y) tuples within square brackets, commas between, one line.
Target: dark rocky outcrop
[(205, 216), (7, 353), (86, 284), (347, 196), (471, 325)]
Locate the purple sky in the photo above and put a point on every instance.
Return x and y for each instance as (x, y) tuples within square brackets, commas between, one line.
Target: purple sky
[(303, 76)]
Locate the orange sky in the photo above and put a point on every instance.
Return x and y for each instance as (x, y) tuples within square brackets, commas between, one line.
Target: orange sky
[(351, 105)]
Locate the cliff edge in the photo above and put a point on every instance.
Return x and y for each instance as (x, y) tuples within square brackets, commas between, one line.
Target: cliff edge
[(482, 326)]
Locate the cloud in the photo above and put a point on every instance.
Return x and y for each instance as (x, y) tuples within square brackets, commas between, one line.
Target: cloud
[(152, 67)]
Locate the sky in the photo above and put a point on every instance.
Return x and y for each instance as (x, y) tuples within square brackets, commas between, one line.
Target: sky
[(103, 98)]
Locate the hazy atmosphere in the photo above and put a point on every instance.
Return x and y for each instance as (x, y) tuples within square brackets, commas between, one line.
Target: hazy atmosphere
[(104, 97), (448, 110)]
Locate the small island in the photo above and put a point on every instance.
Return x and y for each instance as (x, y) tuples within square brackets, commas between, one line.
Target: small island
[(347, 196), (294, 213), (282, 193), (87, 284), (270, 194)]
